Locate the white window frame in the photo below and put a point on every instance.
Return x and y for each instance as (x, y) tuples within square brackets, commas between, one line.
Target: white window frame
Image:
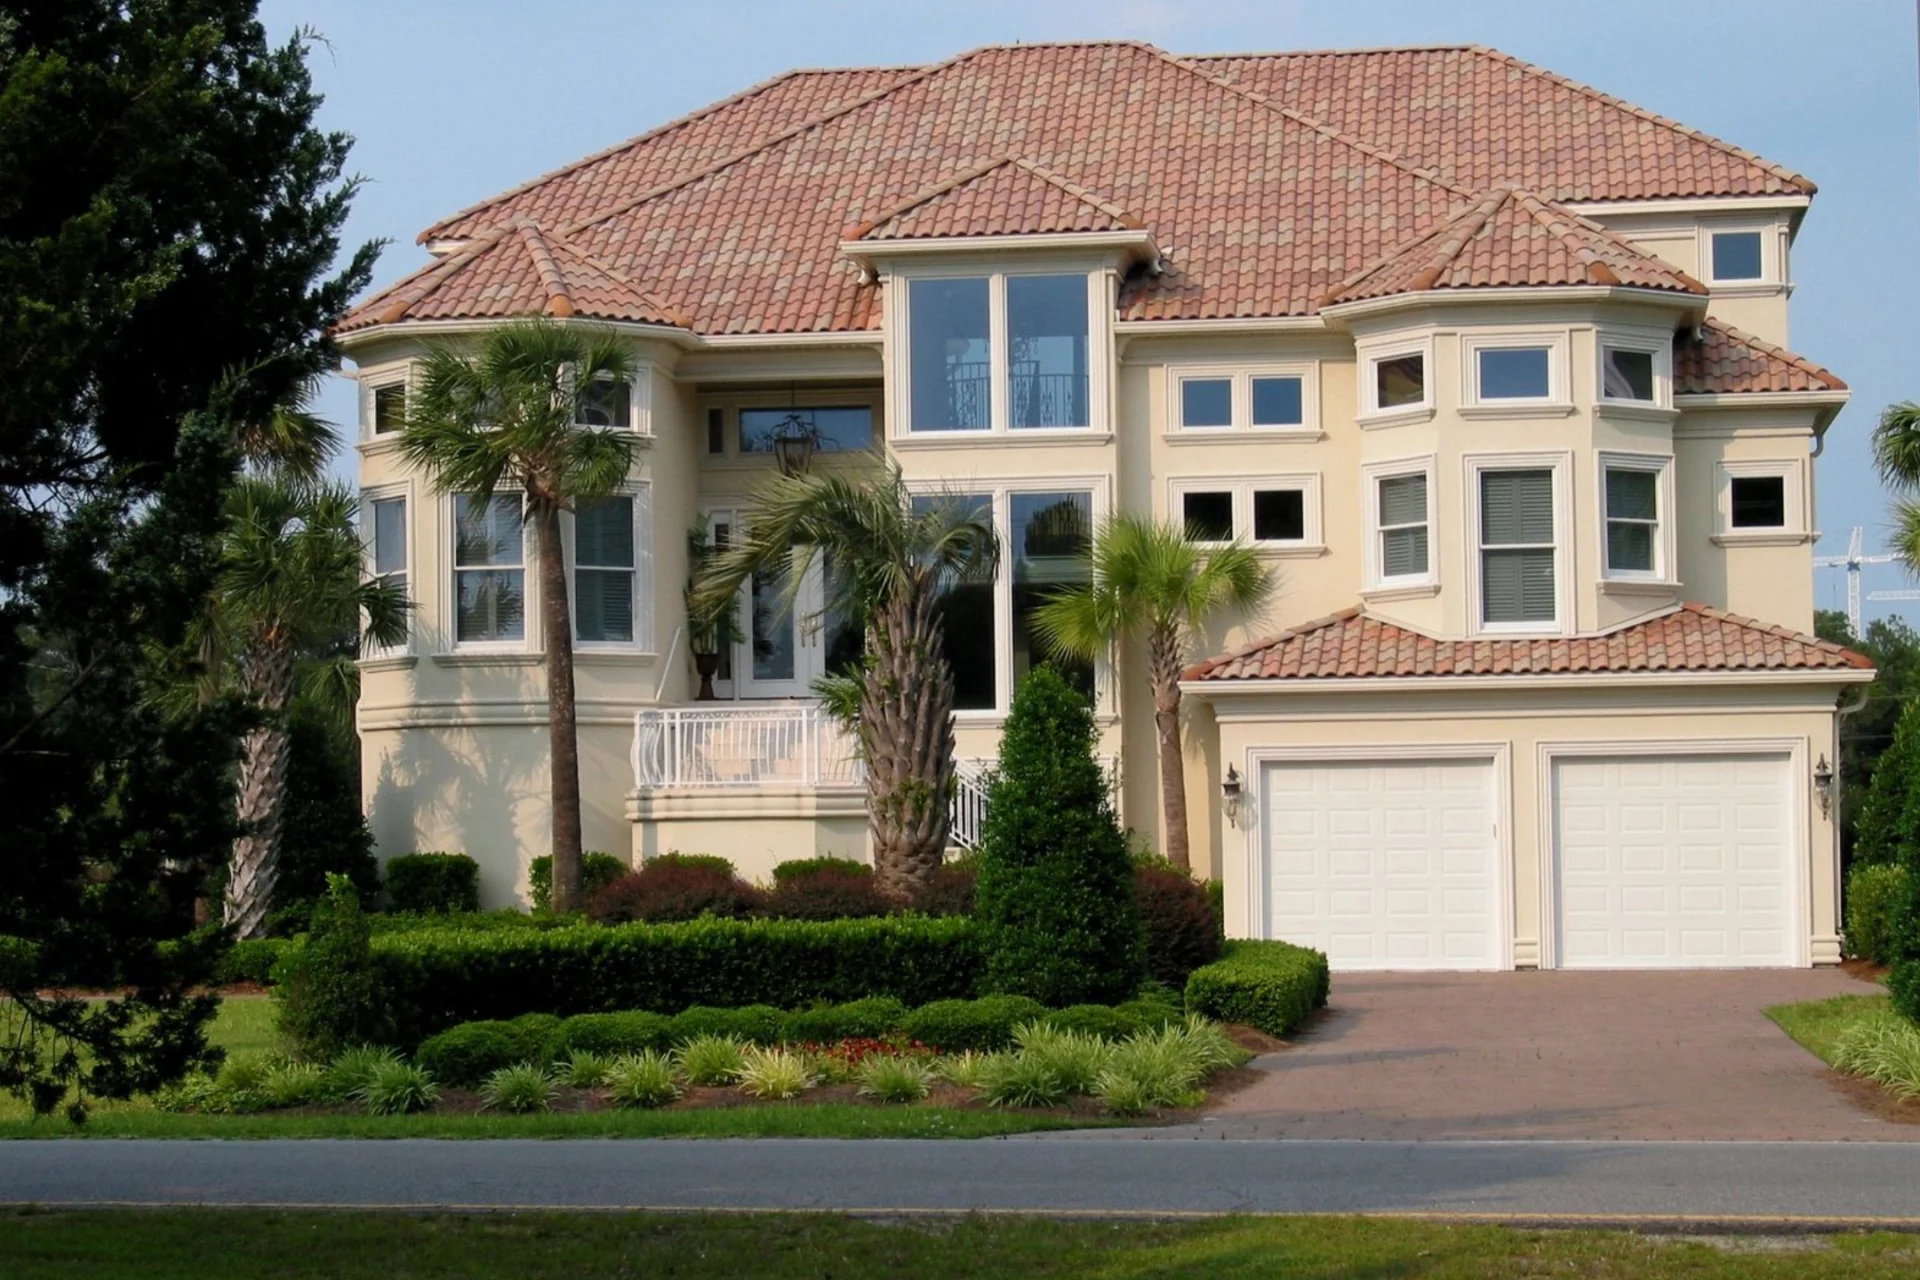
[(529, 582), (1559, 464), (401, 491), (1659, 346), (1664, 534), (641, 491), (1792, 475), (639, 402), (1370, 413), (1312, 541), (1771, 253), (1241, 378), (1378, 582), (898, 335), (1559, 397), (373, 379), (1001, 492)]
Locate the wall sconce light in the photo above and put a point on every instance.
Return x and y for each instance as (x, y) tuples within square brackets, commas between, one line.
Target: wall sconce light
[(1823, 785), (1230, 795)]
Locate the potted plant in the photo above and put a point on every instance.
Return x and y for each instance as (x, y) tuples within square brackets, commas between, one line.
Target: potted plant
[(712, 626)]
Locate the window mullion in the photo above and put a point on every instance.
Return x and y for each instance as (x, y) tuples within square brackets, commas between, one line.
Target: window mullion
[(999, 357)]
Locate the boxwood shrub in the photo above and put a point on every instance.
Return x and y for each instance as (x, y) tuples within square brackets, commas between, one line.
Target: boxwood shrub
[(1269, 986), (611, 1034), (1106, 1021), (443, 882), (754, 1023), (251, 960), (1876, 900), (435, 978), (597, 871), (956, 1025), (872, 1018), (465, 1055)]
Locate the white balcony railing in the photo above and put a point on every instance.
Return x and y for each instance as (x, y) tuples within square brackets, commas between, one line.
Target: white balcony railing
[(790, 745)]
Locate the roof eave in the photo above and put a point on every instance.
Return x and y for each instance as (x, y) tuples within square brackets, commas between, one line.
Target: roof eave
[(1230, 687), (483, 324), (1339, 313), (873, 256)]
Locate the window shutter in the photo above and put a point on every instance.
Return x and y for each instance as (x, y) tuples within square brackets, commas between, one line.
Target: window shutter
[(1630, 494), (1403, 500), (1516, 508)]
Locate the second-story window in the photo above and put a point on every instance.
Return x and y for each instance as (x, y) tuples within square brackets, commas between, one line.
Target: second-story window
[(1633, 522), (1515, 373), (1265, 398), (389, 408), (1403, 526), (607, 404), (1003, 352), (603, 571), (489, 573), (1737, 256), (1518, 583), (386, 527), (838, 429), (1626, 374)]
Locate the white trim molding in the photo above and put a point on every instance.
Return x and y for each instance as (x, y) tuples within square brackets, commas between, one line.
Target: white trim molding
[(1558, 345), (1792, 476)]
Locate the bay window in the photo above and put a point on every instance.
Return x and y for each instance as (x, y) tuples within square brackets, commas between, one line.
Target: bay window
[(603, 571), (1519, 585), (386, 536), (489, 574)]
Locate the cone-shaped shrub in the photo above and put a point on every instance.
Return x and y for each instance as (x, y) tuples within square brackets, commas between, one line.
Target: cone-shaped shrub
[(1055, 895)]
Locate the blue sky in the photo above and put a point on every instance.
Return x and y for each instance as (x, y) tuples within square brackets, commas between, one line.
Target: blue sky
[(451, 102)]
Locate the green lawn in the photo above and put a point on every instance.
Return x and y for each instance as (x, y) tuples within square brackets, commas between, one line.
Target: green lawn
[(245, 1024), (213, 1244), (1817, 1025)]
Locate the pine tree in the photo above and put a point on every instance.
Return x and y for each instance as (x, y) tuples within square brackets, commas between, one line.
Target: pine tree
[(1055, 895)]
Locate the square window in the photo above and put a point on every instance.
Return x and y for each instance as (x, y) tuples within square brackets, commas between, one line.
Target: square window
[(1208, 515), (1515, 373), (1206, 402), (389, 408), (1627, 375), (1759, 502), (1279, 515), (1277, 402), (606, 403), (1633, 519), (1736, 255), (1400, 381)]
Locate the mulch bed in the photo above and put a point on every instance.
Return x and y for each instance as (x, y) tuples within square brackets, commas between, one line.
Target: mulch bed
[(1864, 970), (1874, 1099)]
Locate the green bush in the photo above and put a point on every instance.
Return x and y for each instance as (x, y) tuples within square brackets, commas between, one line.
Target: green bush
[(953, 1026), (1101, 1020), (698, 861), (1269, 986), (251, 960), (1889, 833), (466, 921), (869, 1019), (433, 882), (597, 871), (1152, 1015), (330, 994), (644, 1079), (750, 1024), (437, 978), (1876, 897), (518, 1090), (785, 871), (1055, 895), (1178, 920), (465, 1055), (616, 1034)]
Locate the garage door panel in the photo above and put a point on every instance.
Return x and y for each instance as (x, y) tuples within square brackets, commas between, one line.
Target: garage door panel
[(1397, 861), (1674, 861)]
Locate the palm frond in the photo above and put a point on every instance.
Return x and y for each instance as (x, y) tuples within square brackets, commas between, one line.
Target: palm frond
[(1896, 445)]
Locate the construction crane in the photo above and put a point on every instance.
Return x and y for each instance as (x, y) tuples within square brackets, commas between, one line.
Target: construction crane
[(1851, 562)]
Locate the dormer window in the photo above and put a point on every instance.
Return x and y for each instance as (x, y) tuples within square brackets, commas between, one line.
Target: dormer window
[(1002, 352)]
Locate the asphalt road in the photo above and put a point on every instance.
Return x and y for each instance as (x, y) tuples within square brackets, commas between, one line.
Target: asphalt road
[(1804, 1183)]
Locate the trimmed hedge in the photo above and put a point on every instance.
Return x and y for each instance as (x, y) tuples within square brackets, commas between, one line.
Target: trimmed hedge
[(597, 871), (807, 866), (465, 1055), (436, 882), (1269, 986), (1876, 901), (611, 1034), (251, 960), (436, 978), (754, 1023), (868, 1019), (985, 1024)]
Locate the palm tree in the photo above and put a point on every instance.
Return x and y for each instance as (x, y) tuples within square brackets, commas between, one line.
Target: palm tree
[(1896, 454), (289, 584), (891, 557), (511, 413), (1149, 580)]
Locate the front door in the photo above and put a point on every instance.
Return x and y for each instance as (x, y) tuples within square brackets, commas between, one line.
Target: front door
[(782, 654)]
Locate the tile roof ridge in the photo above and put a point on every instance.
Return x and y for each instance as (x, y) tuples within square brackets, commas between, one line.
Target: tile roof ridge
[(973, 173), (1548, 213), (418, 285), (726, 162), (1356, 143), (1087, 195), (1853, 657), (671, 313), (1833, 380), (658, 131), (1470, 216), (1806, 184), (559, 302), (1356, 51)]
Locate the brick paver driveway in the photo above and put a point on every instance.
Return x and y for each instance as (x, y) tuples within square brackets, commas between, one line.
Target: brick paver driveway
[(1675, 1055)]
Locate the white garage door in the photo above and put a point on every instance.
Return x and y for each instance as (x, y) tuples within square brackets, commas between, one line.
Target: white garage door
[(1673, 862), (1384, 864)]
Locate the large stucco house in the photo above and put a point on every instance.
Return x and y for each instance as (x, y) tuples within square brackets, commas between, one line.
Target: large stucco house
[(1494, 368)]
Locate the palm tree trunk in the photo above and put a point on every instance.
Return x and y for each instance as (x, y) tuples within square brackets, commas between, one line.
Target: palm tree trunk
[(266, 671), (1163, 660), (563, 737), (906, 734)]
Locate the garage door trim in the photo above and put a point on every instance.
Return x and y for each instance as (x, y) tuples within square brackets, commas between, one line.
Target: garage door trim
[(1799, 835), (1498, 755)]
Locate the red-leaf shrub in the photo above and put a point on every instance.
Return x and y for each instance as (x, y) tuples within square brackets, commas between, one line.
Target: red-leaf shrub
[(949, 892), (826, 893), (672, 889), (1177, 913)]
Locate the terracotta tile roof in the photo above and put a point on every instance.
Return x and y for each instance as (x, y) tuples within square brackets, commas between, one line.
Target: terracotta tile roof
[(516, 270), (1510, 237), (1729, 362), (1479, 117), (1262, 197), (1355, 645), (680, 147), (1010, 196)]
